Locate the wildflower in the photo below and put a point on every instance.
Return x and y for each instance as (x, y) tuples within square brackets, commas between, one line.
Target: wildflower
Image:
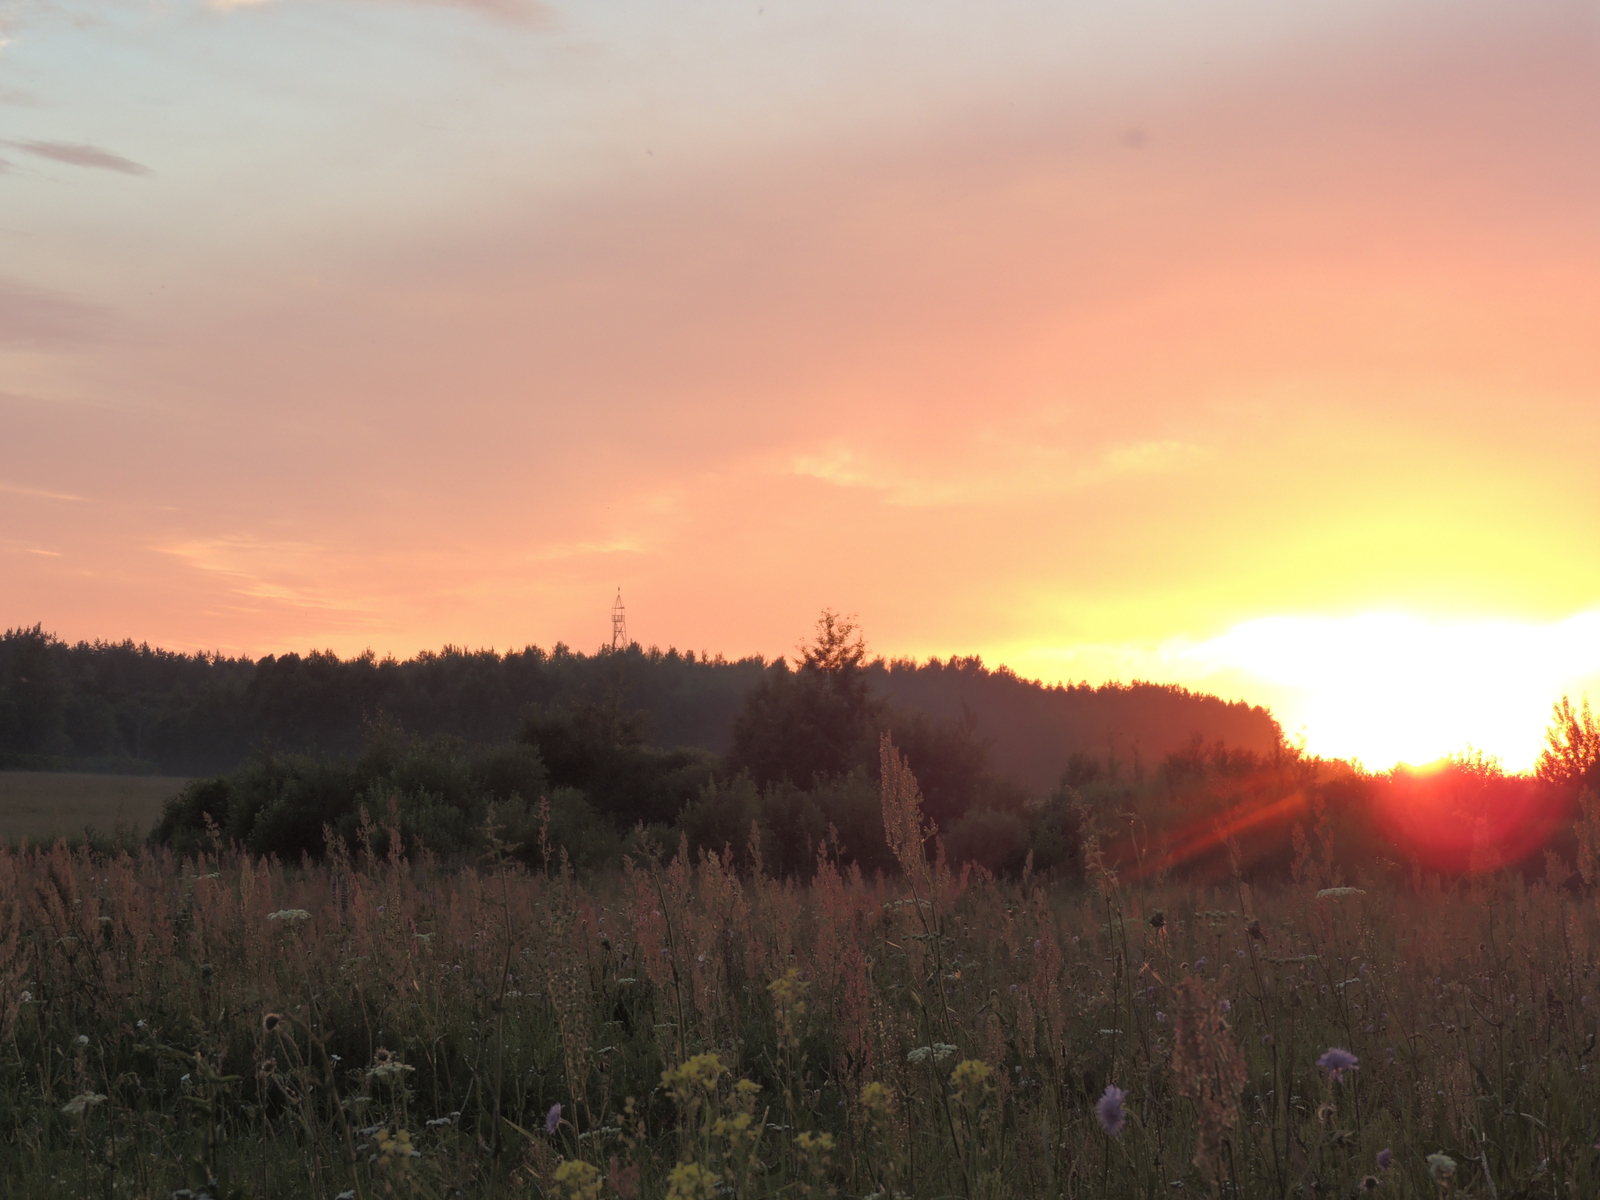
[(1109, 1110), (1325, 1113), (81, 1102), (1336, 1062), (877, 1100), (81, 1040), (1158, 919), (397, 1144), (380, 1056), (814, 1143), (290, 915), (938, 1052), (970, 1071), (578, 1180), (266, 1068), (700, 1072), (1161, 1018), (1440, 1167), (271, 1022), (1336, 892), (1385, 1159), (691, 1181), (552, 1119), (970, 1079), (1369, 1182)]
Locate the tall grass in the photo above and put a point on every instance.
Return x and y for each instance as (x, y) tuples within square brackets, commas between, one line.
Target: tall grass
[(376, 1026)]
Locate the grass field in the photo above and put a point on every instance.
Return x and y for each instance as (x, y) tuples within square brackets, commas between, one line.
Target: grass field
[(374, 1027), (42, 805)]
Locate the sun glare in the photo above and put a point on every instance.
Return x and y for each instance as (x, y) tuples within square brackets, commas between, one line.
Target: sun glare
[(1388, 688)]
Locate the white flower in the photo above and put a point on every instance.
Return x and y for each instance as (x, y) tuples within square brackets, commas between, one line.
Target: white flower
[(289, 914), (81, 1101), (1335, 893), (81, 1039), (938, 1052)]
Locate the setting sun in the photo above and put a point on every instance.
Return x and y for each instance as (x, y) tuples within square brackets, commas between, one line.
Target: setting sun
[(1389, 688)]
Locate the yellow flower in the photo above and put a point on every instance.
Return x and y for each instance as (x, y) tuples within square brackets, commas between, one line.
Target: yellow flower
[(971, 1076), (877, 1100), (702, 1071), (815, 1143), (789, 991), (691, 1181), (578, 1180)]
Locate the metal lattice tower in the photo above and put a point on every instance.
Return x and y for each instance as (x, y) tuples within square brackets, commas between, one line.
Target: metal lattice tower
[(619, 625)]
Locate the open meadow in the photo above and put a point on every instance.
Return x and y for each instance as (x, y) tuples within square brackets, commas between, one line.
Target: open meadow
[(374, 1026), (44, 805)]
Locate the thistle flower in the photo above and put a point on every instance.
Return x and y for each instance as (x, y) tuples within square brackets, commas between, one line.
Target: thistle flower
[(380, 1056), (1440, 1167), (1385, 1159), (1108, 1109), (1336, 1062), (1369, 1182), (552, 1119), (271, 1021)]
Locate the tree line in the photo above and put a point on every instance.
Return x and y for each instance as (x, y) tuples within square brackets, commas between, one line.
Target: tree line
[(129, 707)]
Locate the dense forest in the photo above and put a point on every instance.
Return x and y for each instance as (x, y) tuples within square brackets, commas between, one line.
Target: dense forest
[(127, 707)]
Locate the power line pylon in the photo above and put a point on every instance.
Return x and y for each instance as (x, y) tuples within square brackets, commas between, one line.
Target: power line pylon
[(619, 625)]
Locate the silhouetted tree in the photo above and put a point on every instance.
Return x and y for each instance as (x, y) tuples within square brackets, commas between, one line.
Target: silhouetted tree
[(1571, 755), (811, 724)]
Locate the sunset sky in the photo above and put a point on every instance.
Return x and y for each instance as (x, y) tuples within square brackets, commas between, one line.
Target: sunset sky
[(1251, 346)]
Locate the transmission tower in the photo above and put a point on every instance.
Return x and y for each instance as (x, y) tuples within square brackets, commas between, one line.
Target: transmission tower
[(619, 625)]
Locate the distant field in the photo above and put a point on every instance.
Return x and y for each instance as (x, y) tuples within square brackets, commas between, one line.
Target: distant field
[(44, 804)]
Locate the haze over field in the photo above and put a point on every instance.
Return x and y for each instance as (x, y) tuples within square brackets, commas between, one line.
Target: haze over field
[(1242, 346)]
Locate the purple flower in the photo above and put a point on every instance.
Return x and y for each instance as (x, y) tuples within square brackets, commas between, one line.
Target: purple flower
[(1385, 1159), (552, 1119), (1109, 1109), (1336, 1062)]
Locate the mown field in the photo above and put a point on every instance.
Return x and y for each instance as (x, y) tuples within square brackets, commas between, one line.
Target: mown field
[(380, 1027), (43, 805)]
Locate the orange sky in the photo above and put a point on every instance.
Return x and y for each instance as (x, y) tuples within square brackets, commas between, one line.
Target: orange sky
[(1076, 339)]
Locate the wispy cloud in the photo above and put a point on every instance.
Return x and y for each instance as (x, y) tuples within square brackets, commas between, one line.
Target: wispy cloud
[(1008, 470), (15, 489), (82, 155)]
